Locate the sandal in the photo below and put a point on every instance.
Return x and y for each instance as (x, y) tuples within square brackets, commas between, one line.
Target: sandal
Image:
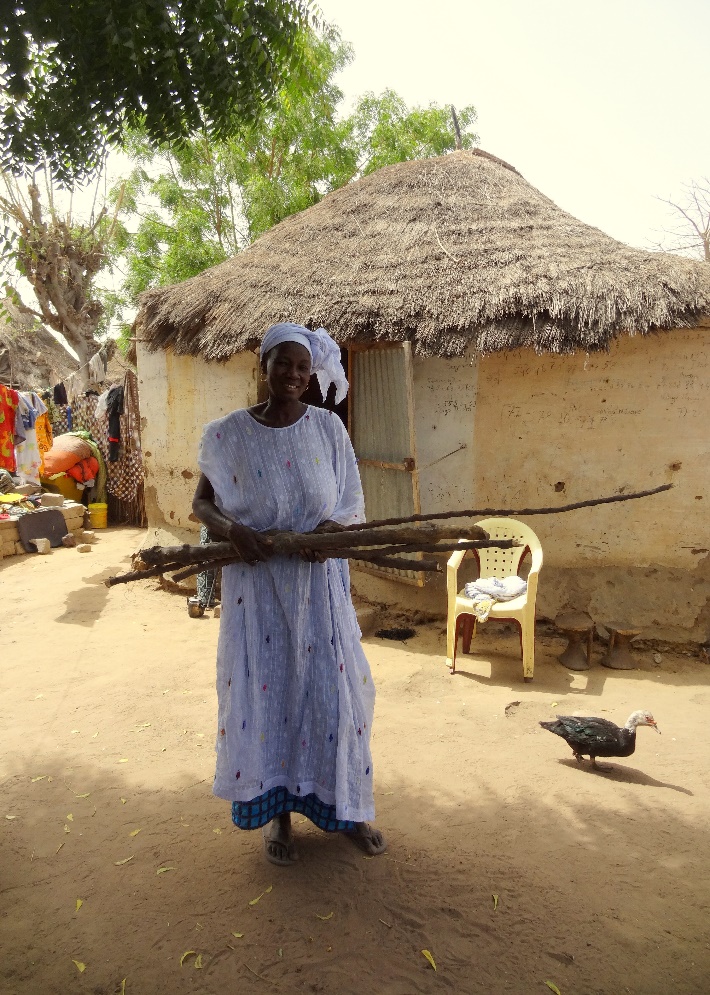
[(362, 837), (270, 844)]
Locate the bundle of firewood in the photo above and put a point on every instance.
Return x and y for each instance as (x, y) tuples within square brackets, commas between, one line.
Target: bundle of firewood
[(382, 546), (385, 543)]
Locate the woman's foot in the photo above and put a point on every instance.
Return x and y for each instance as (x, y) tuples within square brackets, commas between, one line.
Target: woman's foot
[(368, 838), (279, 847)]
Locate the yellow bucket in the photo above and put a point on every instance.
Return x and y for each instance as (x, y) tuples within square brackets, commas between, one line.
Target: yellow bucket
[(98, 514)]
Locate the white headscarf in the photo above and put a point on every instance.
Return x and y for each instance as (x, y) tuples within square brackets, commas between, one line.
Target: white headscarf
[(324, 352)]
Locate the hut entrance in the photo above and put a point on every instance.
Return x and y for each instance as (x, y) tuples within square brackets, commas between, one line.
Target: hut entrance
[(381, 425)]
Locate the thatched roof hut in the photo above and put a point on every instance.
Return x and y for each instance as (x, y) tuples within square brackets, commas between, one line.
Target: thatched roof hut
[(446, 253), (498, 356)]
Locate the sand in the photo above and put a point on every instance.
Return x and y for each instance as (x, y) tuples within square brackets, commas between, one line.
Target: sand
[(509, 862)]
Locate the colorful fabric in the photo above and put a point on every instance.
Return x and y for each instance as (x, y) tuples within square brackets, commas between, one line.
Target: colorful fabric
[(295, 692), (43, 428), (9, 400), (261, 810), (27, 453), (123, 478), (66, 450), (59, 419), (84, 472)]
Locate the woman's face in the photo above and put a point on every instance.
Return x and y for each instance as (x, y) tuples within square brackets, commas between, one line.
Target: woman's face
[(288, 370)]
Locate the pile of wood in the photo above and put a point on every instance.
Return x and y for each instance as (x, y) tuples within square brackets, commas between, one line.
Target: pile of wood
[(386, 543), (383, 546)]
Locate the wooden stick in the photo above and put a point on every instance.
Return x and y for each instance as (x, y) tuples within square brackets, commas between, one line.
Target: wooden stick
[(198, 566), (136, 575), (370, 556), (285, 543), (509, 513)]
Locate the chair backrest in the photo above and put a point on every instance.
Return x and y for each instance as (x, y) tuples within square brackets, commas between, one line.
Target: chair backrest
[(506, 562)]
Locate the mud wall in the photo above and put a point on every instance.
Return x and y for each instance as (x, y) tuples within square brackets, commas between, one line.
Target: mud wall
[(551, 430), (178, 395)]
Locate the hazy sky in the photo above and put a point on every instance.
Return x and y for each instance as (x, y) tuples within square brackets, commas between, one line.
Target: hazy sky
[(601, 105)]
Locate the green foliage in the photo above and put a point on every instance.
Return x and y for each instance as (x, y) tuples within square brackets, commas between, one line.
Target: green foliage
[(387, 131), (76, 75), (201, 202)]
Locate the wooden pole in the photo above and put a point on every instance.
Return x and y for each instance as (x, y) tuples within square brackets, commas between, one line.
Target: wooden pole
[(510, 512)]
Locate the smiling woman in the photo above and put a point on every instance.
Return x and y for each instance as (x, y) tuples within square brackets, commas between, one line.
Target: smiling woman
[(296, 697)]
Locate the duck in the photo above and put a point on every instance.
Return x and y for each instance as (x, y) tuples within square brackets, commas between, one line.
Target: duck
[(600, 737)]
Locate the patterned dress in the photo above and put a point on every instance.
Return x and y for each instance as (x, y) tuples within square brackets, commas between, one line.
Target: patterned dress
[(295, 693), (9, 399)]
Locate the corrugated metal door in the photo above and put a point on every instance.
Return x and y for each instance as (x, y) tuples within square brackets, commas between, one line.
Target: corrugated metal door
[(381, 421)]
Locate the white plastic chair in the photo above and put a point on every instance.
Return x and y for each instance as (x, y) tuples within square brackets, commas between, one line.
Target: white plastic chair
[(494, 562)]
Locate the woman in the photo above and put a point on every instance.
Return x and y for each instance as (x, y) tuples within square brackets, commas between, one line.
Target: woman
[(295, 692)]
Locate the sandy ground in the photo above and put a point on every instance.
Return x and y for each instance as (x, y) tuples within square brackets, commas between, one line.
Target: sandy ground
[(106, 730)]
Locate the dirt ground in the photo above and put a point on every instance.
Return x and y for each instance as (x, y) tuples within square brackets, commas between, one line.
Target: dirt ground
[(509, 862)]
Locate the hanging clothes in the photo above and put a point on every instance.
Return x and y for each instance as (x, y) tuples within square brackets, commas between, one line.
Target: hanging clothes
[(101, 409), (27, 453), (126, 476), (114, 407), (97, 371), (60, 394), (43, 428), (9, 401)]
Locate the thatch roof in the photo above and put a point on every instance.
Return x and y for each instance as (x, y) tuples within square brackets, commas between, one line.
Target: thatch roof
[(444, 252)]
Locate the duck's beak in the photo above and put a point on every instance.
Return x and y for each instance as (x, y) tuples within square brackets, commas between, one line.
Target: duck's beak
[(654, 726)]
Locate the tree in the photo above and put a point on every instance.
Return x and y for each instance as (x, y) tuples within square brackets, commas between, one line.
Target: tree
[(76, 75), (690, 232), (60, 260), (203, 201)]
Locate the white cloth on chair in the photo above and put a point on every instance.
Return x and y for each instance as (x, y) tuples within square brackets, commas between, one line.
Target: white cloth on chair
[(485, 591)]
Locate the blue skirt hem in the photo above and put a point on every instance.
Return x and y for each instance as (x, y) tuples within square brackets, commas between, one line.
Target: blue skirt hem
[(261, 810)]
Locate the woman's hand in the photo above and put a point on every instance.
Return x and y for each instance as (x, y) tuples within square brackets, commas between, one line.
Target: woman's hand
[(330, 526), (314, 555), (252, 546)]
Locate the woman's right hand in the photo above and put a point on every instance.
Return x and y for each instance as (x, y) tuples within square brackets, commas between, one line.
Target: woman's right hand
[(252, 546)]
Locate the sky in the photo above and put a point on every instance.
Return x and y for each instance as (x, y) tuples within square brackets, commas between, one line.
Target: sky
[(601, 105)]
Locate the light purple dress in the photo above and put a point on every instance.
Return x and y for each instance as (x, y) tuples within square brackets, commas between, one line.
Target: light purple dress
[(295, 692)]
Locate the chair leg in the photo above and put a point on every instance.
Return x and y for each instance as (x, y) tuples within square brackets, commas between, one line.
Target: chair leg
[(527, 639), (469, 630), (452, 634)]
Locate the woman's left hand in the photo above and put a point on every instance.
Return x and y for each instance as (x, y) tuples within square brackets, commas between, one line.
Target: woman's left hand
[(330, 526), (314, 555)]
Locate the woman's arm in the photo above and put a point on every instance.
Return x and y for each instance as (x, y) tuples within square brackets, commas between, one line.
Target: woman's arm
[(251, 546)]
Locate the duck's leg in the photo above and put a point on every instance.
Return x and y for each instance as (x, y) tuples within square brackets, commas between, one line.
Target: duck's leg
[(578, 757), (602, 767)]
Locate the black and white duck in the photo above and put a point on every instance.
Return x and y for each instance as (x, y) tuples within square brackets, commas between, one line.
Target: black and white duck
[(599, 737)]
